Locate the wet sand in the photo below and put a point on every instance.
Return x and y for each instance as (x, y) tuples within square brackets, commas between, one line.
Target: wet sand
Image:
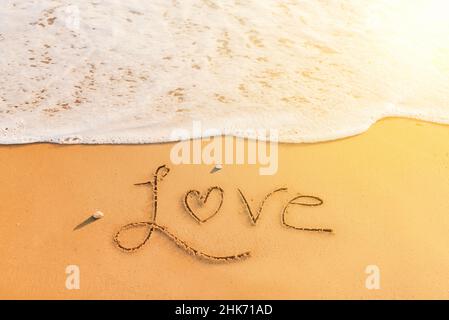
[(385, 195)]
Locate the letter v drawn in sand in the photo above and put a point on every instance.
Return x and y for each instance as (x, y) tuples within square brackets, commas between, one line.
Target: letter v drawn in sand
[(255, 217)]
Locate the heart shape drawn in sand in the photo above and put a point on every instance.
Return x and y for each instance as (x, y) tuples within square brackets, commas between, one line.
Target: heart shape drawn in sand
[(194, 208)]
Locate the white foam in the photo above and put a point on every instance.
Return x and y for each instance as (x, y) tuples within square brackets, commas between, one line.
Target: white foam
[(133, 71)]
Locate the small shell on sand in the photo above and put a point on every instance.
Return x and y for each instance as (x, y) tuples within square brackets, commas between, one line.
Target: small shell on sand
[(98, 215), (217, 167)]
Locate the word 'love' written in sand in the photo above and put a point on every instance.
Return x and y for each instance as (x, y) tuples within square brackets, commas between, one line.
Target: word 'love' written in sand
[(194, 197)]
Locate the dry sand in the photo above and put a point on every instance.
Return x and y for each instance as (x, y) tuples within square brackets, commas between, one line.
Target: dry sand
[(385, 192)]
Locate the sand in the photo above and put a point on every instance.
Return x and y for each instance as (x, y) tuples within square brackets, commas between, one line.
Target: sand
[(385, 195)]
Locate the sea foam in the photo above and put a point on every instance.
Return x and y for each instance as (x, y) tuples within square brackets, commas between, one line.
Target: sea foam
[(133, 71)]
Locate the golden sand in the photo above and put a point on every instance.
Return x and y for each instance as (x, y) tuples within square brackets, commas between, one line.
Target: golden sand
[(385, 195)]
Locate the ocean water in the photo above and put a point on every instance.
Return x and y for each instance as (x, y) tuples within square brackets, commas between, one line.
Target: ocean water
[(106, 71)]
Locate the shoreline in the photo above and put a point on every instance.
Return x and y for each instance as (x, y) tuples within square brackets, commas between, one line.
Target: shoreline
[(94, 140)]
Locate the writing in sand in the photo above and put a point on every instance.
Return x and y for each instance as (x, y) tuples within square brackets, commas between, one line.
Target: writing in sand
[(194, 195)]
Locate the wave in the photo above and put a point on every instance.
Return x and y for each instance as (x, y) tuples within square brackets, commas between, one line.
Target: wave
[(136, 71)]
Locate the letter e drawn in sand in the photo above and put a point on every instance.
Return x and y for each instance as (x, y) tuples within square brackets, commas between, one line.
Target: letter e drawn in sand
[(307, 201)]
